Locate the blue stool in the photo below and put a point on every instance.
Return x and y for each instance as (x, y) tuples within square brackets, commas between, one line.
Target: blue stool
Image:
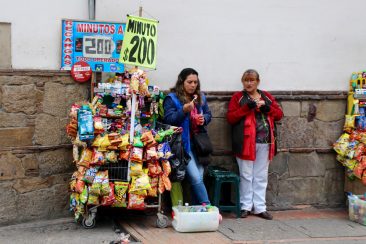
[(220, 176)]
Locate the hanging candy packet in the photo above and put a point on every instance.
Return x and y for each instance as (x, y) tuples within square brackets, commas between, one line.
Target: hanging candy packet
[(349, 123), (98, 157), (125, 154), (154, 168), (137, 141), (151, 153), (153, 192), (120, 193), (111, 156), (135, 169), (136, 202), (85, 158), (148, 139), (90, 175), (137, 154), (124, 142), (110, 199), (166, 167), (84, 195)]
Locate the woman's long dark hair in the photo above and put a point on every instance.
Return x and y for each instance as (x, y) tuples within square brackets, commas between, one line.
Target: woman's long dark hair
[(179, 86)]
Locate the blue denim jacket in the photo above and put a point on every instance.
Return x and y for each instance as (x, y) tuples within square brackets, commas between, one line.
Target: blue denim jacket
[(174, 115)]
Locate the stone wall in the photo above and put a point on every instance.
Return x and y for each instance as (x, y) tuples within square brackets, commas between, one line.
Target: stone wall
[(305, 171), (36, 155)]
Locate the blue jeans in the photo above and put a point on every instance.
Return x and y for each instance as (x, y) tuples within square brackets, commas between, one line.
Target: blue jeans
[(195, 176)]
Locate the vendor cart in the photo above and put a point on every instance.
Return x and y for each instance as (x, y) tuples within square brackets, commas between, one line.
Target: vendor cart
[(123, 148)]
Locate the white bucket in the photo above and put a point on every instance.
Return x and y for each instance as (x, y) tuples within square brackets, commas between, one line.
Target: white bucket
[(195, 221)]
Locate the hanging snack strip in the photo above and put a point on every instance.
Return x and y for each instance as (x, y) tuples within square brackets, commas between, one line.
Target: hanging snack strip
[(350, 146)]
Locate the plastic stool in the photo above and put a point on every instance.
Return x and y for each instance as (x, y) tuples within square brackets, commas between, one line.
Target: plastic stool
[(221, 176)]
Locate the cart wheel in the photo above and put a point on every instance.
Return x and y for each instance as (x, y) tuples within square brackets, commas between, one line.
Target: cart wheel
[(88, 223), (162, 221)]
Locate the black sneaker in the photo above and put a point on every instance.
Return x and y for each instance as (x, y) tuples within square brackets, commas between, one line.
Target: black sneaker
[(265, 215), (244, 213)]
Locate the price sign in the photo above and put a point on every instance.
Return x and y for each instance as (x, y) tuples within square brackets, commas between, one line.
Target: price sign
[(139, 44), (98, 46), (96, 43)]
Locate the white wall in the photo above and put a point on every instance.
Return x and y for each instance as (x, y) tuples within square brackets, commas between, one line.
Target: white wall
[(294, 44)]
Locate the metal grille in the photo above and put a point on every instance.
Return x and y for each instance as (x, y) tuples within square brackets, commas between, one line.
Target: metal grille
[(117, 171)]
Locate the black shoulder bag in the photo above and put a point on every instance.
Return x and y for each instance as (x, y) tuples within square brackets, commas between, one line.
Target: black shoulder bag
[(203, 146)]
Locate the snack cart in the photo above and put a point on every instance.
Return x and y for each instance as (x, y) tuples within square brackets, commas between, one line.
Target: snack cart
[(121, 157)]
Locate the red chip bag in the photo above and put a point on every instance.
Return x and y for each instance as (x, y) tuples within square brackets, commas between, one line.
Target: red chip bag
[(110, 199), (136, 202)]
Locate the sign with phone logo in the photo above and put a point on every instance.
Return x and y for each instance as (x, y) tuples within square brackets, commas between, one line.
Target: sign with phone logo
[(139, 44)]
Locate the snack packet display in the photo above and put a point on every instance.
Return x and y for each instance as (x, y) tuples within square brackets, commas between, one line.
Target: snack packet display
[(110, 199), (148, 139), (166, 167), (153, 192), (135, 169), (86, 157), (151, 153), (341, 145), (120, 191), (124, 155), (111, 156), (90, 175), (349, 123), (98, 157), (139, 183), (137, 154), (85, 123), (136, 202), (93, 199), (154, 168), (84, 195), (124, 142)]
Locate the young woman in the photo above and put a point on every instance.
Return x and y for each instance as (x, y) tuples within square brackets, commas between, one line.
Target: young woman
[(252, 113), (187, 107)]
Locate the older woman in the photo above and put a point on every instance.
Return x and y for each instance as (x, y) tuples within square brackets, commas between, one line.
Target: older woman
[(187, 107), (252, 113)]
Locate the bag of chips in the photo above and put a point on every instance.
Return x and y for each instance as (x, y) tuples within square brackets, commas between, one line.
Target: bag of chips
[(153, 192), (136, 202), (120, 193), (110, 199)]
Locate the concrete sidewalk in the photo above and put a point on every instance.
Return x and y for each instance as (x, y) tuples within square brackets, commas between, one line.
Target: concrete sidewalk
[(293, 226), (305, 226)]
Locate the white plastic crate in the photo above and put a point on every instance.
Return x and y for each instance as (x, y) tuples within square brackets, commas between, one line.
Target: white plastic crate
[(196, 221)]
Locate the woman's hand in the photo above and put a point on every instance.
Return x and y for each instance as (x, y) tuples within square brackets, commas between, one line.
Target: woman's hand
[(200, 119), (188, 107), (260, 103)]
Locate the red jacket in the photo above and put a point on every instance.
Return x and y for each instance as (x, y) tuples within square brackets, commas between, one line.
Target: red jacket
[(241, 114)]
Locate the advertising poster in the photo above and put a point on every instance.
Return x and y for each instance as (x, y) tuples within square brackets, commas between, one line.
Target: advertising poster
[(139, 45), (96, 43)]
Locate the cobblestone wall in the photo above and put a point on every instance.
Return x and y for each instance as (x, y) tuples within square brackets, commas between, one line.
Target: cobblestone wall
[(36, 156)]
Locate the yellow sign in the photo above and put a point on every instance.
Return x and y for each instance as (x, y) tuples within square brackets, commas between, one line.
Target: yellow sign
[(139, 44)]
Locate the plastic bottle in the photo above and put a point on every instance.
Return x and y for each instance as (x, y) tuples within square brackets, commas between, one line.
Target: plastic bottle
[(186, 207), (180, 206), (203, 208)]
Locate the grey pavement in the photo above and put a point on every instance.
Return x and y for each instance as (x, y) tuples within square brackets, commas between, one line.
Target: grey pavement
[(302, 227)]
